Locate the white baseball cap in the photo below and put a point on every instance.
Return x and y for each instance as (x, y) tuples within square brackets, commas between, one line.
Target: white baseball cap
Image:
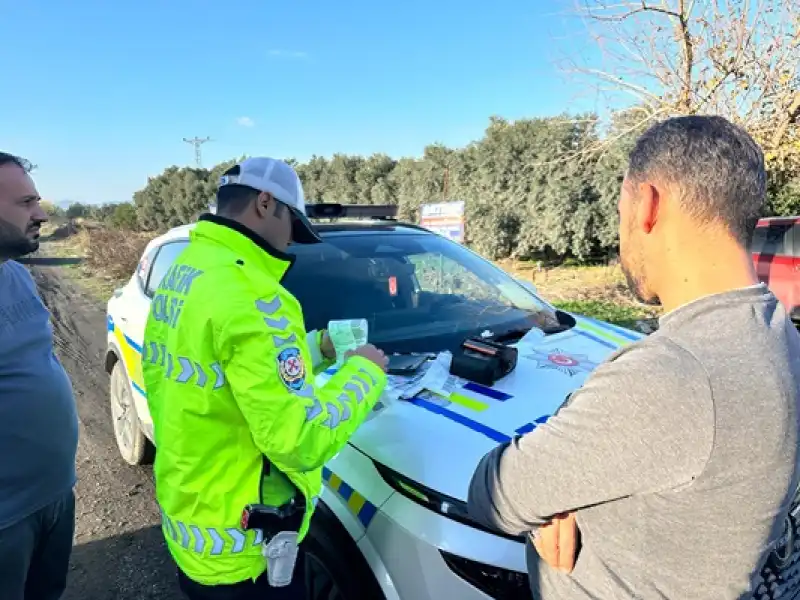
[(277, 178)]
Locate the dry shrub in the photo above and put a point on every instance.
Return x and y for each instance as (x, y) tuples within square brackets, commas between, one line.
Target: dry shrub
[(112, 252)]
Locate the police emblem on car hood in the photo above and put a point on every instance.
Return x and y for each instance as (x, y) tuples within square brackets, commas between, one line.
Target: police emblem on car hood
[(560, 360)]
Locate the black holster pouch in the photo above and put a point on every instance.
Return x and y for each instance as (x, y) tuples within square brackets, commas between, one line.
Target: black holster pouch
[(482, 361), (274, 519)]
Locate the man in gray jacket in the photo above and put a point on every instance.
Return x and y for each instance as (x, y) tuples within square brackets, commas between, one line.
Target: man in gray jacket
[(38, 420), (677, 461)]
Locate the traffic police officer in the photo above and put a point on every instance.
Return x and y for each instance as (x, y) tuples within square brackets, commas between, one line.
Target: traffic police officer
[(229, 373)]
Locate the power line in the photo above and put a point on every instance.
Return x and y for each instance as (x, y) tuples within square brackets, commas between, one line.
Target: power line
[(197, 142)]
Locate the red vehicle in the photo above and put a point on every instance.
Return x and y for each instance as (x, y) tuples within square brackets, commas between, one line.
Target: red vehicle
[(776, 254)]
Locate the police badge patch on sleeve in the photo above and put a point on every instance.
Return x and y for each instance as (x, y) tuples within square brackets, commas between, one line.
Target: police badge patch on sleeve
[(291, 368)]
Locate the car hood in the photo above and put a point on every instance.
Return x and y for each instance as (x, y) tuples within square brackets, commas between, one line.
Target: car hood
[(438, 443)]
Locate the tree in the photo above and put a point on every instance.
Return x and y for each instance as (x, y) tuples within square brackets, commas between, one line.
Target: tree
[(372, 180), (124, 217), (174, 197), (532, 188), (76, 210), (736, 58), (51, 209), (100, 212)]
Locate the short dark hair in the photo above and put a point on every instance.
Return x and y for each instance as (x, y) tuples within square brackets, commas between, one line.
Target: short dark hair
[(232, 200), (12, 159), (717, 167)]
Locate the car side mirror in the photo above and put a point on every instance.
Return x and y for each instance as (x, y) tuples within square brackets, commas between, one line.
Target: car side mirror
[(527, 285)]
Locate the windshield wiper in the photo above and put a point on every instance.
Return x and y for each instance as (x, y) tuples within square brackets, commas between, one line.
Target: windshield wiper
[(518, 333), (511, 335)]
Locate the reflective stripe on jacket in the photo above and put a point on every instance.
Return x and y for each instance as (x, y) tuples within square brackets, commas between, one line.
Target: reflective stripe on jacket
[(229, 375)]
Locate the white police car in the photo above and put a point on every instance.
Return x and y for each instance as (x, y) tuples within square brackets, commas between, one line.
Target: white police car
[(392, 521)]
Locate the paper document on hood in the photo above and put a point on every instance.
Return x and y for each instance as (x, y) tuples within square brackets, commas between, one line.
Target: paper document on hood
[(434, 377)]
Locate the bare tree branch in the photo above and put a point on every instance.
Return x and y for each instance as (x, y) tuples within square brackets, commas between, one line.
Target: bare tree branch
[(792, 114), (737, 58)]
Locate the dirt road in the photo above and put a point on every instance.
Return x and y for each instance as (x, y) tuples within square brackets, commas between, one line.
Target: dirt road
[(119, 551)]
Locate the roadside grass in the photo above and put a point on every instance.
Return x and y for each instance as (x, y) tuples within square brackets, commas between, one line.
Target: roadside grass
[(597, 291), (618, 314)]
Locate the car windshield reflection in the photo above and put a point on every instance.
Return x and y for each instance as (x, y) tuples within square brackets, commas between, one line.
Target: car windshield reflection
[(419, 292)]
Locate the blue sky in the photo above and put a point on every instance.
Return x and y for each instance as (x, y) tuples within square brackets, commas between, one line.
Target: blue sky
[(100, 94)]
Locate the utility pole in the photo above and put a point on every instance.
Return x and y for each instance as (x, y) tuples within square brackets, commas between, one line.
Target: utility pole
[(197, 142)]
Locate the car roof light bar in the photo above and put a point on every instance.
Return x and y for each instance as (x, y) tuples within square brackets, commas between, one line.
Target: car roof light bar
[(351, 211)]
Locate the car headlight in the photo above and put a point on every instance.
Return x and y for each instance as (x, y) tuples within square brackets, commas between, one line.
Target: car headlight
[(443, 504)]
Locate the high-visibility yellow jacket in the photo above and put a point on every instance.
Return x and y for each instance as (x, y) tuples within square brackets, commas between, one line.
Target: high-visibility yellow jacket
[(229, 377)]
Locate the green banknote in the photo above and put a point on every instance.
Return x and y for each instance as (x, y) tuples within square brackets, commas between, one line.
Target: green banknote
[(347, 334)]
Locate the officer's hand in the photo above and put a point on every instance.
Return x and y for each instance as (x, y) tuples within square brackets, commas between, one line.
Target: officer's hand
[(371, 353), (326, 346), (557, 542)]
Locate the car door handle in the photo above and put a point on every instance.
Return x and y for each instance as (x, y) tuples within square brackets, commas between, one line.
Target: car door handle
[(124, 319)]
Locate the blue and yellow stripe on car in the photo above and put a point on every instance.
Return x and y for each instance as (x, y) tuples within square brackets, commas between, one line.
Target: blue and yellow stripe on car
[(608, 335), (360, 507), (131, 355)]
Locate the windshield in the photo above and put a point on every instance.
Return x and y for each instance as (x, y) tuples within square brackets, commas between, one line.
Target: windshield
[(419, 292)]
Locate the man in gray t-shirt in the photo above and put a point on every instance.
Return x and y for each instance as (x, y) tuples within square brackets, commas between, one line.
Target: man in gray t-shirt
[(677, 461), (38, 420)]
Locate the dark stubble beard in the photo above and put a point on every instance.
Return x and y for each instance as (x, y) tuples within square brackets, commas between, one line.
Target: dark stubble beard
[(14, 243), (632, 283), (635, 286)]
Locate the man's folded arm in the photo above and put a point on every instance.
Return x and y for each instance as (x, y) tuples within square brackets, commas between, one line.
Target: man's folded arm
[(637, 425)]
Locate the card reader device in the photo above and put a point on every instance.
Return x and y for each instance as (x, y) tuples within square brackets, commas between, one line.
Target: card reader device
[(483, 361)]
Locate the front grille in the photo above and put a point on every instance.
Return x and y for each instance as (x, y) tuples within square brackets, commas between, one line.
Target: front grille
[(780, 577), (492, 581)]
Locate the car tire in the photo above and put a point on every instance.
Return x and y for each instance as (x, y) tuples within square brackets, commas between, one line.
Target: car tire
[(133, 445), (335, 569)]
